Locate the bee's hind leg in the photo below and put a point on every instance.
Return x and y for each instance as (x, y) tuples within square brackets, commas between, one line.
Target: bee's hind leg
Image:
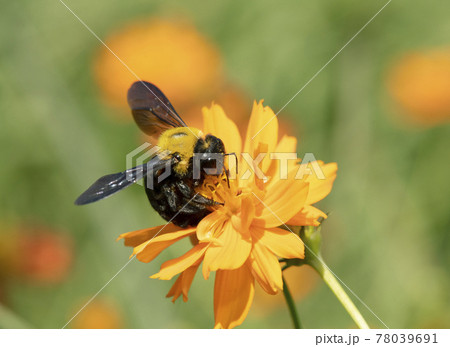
[(185, 189)]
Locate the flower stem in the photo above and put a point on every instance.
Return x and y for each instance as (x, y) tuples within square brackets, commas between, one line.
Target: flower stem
[(291, 306), (340, 293)]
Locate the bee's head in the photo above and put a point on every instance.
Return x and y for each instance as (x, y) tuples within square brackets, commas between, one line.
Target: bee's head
[(209, 155), (210, 144)]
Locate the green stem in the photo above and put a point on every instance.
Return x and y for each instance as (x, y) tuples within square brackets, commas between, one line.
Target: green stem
[(291, 305), (340, 293)]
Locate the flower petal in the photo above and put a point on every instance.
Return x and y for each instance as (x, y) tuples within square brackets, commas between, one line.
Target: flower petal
[(173, 267), (149, 250), (210, 227), (287, 145), (266, 268), (283, 243), (233, 251), (308, 215), (215, 122), (233, 296), (242, 220), (183, 283), (262, 128), (283, 201), (135, 238), (321, 187)]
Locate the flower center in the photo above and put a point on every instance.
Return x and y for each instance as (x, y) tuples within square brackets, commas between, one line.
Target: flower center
[(222, 190)]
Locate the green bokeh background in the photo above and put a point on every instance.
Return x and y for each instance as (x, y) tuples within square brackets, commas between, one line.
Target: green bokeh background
[(387, 235)]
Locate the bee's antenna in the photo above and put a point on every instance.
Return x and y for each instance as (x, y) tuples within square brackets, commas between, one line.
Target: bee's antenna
[(237, 168), (228, 178), (237, 163)]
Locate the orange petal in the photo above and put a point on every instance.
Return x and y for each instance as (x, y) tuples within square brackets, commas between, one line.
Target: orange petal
[(149, 250), (135, 238), (288, 144), (210, 227), (277, 173), (174, 266), (283, 201), (266, 268), (233, 296), (320, 188), (215, 122), (183, 283), (231, 254), (283, 243), (309, 215), (262, 128), (242, 220)]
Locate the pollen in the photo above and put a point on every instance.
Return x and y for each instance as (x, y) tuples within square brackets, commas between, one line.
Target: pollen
[(215, 188)]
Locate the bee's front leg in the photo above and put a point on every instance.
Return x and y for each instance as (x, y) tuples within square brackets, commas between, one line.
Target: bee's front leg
[(200, 199)]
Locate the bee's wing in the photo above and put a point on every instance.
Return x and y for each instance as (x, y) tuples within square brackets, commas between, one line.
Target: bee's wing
[(151, 109), (110, 184)]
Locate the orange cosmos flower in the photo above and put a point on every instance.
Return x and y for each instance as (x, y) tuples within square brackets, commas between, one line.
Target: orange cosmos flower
[(420, 84), (172, 54), (46, 256), (241, 239), (100, 314), (36, 253)]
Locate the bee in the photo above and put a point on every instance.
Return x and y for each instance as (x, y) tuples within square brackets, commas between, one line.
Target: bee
[(184, 159)]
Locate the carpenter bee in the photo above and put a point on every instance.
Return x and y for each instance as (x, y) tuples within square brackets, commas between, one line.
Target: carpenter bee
[(185, 157)]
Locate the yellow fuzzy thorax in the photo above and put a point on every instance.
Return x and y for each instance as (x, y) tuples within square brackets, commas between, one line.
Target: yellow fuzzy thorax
[(182, 141)]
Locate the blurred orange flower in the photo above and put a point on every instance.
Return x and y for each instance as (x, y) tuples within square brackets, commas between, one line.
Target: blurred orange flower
[(45, 256), (99, 314), (240, 239), (171, 54), (35, 253), (420, 84)]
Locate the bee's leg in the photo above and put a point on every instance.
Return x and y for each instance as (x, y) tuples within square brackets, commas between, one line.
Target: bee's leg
[(156, 198), (185, 189), (191, 216), (170, 193), (188, 193), (200, 199), (192, 208)]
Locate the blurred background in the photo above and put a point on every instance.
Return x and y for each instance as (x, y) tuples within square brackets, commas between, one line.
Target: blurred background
[(380, 110)]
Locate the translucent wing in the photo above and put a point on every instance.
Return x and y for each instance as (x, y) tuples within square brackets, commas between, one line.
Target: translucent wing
[(110, 184), (151, 109)]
